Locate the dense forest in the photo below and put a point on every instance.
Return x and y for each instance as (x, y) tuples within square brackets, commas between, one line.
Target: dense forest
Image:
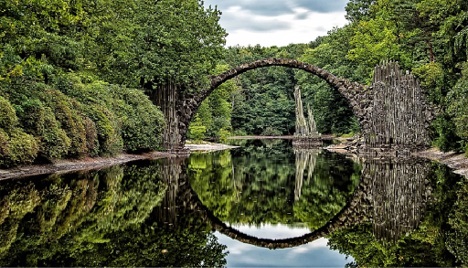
[(75, 76)]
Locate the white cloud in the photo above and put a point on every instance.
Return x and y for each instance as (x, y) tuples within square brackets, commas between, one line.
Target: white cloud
[(251, 22)]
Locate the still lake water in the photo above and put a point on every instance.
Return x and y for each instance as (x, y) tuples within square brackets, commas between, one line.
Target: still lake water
[(263, 204)]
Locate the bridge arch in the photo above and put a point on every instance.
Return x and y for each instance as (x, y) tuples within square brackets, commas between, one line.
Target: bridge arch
[(352, 213), (392, 112), (355, 93)]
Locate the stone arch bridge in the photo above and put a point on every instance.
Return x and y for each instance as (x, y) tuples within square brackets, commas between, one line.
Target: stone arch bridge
[(392, 112)]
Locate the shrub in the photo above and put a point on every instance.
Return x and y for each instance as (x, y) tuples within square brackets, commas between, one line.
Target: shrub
[(8, 117), (108, 131), (31, 117), (197, 132), (92, 142), (20, 148), (4, 150), (54, 141), (142, 122), (135, 119), (224, 135), (66, 112)]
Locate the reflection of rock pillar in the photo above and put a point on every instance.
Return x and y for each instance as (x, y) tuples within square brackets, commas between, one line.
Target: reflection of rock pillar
[(172, 168), (399, 194), (305, 158)]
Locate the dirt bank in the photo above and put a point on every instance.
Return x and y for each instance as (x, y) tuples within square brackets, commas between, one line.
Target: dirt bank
[(64, 166), (208, 147), (457, 162), (69, 165)]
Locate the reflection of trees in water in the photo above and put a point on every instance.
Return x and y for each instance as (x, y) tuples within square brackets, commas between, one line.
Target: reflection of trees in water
[(254, 187), (171, 169), (99, 218), (403, 213), (416, 210)]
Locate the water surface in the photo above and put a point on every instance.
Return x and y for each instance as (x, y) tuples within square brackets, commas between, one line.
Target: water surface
[(263, 204)]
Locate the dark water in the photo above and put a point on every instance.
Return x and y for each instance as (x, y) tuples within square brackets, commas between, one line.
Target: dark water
[(264, 204)]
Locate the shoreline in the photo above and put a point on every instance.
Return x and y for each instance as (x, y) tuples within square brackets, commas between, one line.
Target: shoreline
[(457, 162), (92, 163), (71, 165)]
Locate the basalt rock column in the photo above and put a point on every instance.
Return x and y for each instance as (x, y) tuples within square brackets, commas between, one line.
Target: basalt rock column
[(168, 99), (302, 129), (306, 131), (399, 115)]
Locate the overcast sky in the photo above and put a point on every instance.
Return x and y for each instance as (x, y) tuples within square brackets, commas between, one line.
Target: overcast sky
[(278, 22)]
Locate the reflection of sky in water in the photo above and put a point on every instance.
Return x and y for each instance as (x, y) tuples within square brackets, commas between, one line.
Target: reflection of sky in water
[(313, 254)]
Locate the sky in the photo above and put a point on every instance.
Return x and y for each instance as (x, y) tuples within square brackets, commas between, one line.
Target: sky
[(278, 22), (313, 254)]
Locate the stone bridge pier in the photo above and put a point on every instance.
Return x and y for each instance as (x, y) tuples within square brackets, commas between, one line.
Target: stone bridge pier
[(392, 112)]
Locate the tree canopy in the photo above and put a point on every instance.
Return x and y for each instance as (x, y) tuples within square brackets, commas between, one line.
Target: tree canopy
[(72, 73)]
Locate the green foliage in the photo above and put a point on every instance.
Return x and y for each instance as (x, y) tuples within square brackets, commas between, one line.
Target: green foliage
[(458, 221), (66, 63), (239, 186), (71, 118), (55, 143), (438, 241), (179, 41), (213, 118), (142, 122), (100, 218), (17, 147), (197, 130), (357, 10), (8, 118), (458, 108), (67, 114), (432, 79)]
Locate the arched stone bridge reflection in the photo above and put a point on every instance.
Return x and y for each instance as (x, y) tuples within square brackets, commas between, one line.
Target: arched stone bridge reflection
[(392, 194)]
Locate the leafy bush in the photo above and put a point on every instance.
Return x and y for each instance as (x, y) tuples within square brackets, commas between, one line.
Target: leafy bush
[(32, 116), (108, 131), (17, 148), (70, 118), (4, 150), (139, 122), (8, 117), (66, 112), (197, 130), (54, 141), (142, 122), (92, 142)]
